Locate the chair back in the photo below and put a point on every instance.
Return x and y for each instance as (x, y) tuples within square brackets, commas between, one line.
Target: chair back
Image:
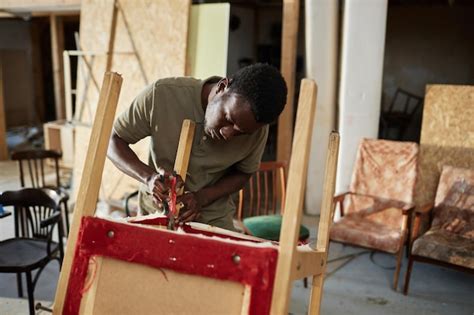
[(32, 165), (32, 206), (385, 169), (454, 202), (260, 195)]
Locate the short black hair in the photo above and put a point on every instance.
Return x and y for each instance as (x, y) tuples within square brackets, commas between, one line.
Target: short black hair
[(263, 87)]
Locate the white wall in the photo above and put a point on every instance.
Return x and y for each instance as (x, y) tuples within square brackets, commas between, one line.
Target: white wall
[(363, 41), (321, 29)]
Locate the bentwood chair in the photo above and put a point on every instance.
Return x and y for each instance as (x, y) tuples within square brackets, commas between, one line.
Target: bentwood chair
[(32, 165), (36, 215)]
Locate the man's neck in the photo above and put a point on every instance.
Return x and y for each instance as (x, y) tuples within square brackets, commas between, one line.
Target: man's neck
[(207, 90)]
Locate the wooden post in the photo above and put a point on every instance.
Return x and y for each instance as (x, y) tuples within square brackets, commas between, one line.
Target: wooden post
[(3, 127), (325, 220), (294, 197), (67, 85), (184, 148), (57, 47), (288, 64), (92, 175)]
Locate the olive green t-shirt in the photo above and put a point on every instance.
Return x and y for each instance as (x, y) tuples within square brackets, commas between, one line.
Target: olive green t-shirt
[(158, 111)]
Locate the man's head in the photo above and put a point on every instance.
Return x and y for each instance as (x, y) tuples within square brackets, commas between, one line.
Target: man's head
[(253, 97)]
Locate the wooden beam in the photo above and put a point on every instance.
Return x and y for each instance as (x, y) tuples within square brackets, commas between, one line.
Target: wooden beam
[(3, 126), (67, 85), (308, 262), (184, 148), (288, 67), (57, 48), (294, 197), (325, 221), (92, 175)]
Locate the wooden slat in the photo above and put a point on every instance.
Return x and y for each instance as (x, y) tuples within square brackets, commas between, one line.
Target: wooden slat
[(325, 220), (295, 196), (265, 181), (307, 263), (184, 148), (67, 85), (57, 48), (92, 174), (288, 67), (3, 126)]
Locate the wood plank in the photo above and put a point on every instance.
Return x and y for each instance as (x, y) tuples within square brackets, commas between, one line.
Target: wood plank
[(67, 85), (325, 221), (91, 179), (289, 41), (57, 48), (294, 196), (3, 126), (308, 262), (184, 148)]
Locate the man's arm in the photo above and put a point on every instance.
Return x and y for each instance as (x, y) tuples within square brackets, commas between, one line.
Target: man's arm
[(228, 184), (123, 157)]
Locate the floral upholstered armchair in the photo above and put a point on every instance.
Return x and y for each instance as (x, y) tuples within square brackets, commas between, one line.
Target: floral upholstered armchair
[(375, 213), (450, 238)]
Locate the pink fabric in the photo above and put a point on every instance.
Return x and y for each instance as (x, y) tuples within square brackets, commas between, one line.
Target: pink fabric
[(386, 169)]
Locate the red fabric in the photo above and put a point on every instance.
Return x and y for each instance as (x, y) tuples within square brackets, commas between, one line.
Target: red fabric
[(172, 201), (191, 254)]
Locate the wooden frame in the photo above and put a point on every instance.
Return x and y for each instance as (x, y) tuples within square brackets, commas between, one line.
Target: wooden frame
[(422, 211), (246, 278), (289, 45), (406, 210)]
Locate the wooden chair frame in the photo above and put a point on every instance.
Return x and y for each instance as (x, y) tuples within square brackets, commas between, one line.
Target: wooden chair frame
[(293, 262), (406, 210), (425, 210)]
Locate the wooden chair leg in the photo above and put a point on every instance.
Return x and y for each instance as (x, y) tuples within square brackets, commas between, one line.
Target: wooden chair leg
[(19, 285), (408, 275), (397, 269), (30, 290), (316, 295)]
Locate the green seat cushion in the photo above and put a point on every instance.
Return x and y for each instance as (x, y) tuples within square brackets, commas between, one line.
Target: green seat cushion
[(269, 226)]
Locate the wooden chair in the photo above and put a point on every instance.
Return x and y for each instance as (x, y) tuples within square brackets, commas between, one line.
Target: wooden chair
[(36, 214), (259, 210), (32, 174), (375, 212), (450, 239)]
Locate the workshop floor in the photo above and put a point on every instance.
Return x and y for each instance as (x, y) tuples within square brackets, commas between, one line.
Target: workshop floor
[(357, 285)]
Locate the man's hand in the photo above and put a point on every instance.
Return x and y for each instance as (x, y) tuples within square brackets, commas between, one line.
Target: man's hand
[(192, 203), (159, 186)]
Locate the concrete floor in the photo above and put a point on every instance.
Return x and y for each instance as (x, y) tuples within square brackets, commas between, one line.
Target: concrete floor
[(352, 286)]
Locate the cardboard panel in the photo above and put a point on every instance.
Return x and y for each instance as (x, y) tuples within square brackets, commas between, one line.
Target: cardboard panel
[(164, 289), (447, 135)]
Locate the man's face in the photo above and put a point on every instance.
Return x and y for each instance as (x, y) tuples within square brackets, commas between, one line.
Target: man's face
[(229, 115)]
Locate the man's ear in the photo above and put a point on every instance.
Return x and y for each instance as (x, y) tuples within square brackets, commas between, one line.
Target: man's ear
[(222, 85)]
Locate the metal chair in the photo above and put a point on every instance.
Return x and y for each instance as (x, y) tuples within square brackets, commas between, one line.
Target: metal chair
[(32, 174), (36, 214)]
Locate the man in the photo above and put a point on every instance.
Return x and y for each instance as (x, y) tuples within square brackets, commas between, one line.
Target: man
[(232, 117)]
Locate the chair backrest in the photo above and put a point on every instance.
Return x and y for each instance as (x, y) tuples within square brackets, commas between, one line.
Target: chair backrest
[(385, 169), (260, 196), (31, 207), (454, 202), (32, 166)]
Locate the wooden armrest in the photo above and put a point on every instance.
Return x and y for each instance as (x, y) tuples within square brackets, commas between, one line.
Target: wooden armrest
[(340, 197), (50, 220), (425, 209)]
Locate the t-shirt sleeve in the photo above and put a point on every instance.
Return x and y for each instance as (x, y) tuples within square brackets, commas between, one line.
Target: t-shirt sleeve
[(134, 123), (251, 162)]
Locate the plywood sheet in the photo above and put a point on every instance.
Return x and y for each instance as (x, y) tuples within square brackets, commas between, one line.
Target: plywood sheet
[(447, 135), (149, 43)]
